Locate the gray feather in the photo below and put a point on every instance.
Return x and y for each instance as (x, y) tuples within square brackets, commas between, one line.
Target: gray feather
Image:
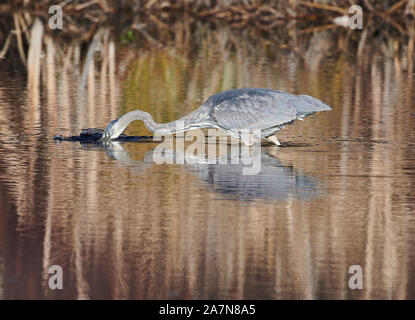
[(251, 109)]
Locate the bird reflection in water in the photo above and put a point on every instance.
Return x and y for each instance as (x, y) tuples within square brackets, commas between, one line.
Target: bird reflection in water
[(275, 181)]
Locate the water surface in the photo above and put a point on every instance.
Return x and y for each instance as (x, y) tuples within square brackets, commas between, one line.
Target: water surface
[(340, 191)]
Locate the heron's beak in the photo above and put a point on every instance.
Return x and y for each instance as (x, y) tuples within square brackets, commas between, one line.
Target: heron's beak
[(106, 136)]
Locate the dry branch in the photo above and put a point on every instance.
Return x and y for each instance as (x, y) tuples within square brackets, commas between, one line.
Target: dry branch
[(395, 7), (322, 7)]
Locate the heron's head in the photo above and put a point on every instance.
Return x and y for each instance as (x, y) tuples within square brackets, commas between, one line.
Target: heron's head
[(112, 130), (117, 126)]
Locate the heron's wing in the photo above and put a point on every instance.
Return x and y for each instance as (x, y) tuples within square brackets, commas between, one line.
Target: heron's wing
[(253, 112)]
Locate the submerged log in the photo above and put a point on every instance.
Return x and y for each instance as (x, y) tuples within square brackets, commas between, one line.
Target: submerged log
[(95, 135)]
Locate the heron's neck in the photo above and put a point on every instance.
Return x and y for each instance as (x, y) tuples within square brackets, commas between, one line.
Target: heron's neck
[(146, 118), (159, 128)]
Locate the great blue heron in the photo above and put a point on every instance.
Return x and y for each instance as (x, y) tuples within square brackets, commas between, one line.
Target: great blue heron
[(232, 111)]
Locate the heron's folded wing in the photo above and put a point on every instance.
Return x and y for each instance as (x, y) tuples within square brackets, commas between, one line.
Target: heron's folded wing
[(250, 112)]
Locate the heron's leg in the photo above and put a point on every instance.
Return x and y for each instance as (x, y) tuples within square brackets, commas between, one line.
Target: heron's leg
[(273, 138)]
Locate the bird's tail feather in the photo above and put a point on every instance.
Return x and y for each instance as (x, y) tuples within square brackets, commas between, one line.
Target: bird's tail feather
[(306, 105)]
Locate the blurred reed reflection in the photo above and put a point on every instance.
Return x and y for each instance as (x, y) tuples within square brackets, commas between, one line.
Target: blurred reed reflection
[(163, 232)]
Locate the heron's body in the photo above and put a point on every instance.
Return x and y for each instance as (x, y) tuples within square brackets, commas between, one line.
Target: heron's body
[(233, 111)]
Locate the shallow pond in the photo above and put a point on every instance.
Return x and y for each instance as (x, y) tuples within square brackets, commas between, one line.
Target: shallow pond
[(340, 191)]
